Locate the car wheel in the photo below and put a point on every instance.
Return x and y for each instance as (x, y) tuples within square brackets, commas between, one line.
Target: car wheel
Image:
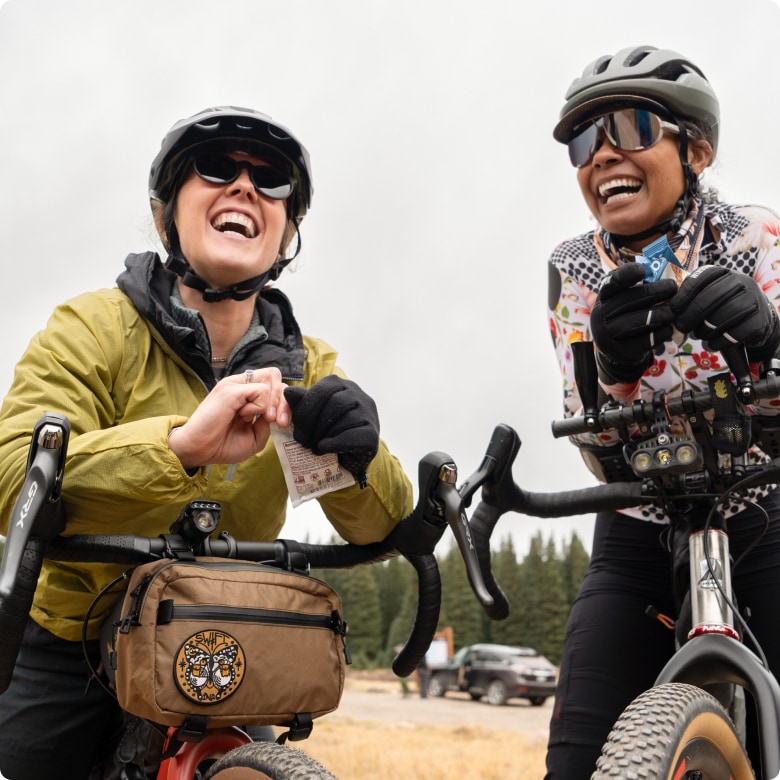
[(496, 693), (537, 701), (436, 686)]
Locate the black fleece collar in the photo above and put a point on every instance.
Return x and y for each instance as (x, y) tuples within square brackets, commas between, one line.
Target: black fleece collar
[(148, 284)]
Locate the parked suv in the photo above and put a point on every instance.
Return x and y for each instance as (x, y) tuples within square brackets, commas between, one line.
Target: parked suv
[(498, 672)]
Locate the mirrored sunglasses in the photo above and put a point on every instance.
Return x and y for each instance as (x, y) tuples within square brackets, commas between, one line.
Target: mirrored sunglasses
[(630, 129), (221, 169)]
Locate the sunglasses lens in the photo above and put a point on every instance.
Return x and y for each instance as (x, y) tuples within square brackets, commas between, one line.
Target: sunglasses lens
[(582, 146), (271, 183), (216, 168), (634, 129), (630, 129), (221, 169)]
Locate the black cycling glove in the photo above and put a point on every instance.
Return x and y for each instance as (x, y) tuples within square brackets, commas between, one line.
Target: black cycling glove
[(628, 320), (335, 415), (725, 307)]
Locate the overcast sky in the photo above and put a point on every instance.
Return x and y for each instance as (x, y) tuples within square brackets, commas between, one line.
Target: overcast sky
[(439, 190)]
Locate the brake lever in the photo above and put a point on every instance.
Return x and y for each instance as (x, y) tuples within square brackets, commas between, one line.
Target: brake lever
[(498, 496), (501, 451), (736, 359), (42, 486), (494, 474), (455, 513)]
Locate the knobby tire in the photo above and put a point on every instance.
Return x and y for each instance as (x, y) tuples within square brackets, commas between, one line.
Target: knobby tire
[(672, 732), (267, 761)]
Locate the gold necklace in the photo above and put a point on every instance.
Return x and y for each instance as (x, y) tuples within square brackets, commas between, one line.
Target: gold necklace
[(219, 360)]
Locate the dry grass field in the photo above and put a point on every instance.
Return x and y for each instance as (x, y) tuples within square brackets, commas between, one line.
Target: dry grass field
[(357, 751), (379, 734)]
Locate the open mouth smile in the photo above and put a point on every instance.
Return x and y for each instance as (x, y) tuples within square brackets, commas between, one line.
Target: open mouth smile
[(235, 223), (619, 189)]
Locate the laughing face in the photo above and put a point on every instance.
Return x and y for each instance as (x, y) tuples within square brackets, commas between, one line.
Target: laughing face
[(630, 191), (228, 232)]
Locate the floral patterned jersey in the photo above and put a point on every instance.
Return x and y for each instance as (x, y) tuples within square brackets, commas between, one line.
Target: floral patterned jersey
[(743, 238)]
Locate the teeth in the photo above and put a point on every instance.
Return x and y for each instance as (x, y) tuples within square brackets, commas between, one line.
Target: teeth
[(626, 187), (233, 222)]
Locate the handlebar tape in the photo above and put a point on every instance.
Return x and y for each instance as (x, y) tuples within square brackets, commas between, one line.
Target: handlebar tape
[(15, 608), (428, 602), (345, 556), (618, 495)]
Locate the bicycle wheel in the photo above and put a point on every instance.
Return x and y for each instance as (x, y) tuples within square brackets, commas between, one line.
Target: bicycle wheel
[(267, 761), (673, 732)]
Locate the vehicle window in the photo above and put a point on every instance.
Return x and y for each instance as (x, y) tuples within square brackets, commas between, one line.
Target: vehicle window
[(460, 656)]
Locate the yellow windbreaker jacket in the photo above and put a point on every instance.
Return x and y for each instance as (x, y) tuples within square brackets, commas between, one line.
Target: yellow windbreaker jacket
[(117, 365)]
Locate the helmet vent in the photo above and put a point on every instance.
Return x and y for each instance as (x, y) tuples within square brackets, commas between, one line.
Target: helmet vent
[(638, 55)]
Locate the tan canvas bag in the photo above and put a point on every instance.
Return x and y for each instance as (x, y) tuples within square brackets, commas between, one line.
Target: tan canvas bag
[(237, 642)]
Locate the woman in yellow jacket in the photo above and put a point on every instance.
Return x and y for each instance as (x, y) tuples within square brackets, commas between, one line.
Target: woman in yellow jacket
[(171, 381)]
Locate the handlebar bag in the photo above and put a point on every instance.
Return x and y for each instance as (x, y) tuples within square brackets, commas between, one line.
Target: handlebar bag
[(238, 643)]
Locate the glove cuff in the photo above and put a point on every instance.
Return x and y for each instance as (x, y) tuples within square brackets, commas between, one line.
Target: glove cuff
[(767, 350), (611, 372)]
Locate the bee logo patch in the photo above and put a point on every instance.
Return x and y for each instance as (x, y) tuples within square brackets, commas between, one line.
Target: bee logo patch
[(209, 667)]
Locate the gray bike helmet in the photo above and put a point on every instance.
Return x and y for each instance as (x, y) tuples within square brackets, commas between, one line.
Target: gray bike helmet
[(636, 75), (227, 128), (238, 128)]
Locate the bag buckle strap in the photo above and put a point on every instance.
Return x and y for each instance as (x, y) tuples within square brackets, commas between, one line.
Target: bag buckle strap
[(300, 728), (192, 730)]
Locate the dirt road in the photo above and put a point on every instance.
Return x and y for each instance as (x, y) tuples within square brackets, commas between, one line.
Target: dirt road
[(382, 700)]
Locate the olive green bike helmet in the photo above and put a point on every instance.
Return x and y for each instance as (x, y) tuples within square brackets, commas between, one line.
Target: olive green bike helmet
[(641, 75)]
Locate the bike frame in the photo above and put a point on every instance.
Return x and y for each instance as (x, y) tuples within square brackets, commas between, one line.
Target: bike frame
[(712, 656), (184, 764)]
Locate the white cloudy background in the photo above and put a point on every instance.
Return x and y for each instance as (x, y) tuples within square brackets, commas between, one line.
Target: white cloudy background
[(439, 191)]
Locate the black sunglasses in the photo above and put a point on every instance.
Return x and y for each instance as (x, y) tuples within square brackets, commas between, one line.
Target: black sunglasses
[(221, 169), (629, 129)]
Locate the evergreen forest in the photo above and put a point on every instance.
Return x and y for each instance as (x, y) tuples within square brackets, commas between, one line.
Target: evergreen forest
[(379, 600)]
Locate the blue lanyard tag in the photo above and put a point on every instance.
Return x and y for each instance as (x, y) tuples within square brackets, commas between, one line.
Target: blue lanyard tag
[(656, 257)]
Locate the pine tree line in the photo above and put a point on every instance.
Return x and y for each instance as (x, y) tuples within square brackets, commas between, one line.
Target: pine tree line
[(380, 600)]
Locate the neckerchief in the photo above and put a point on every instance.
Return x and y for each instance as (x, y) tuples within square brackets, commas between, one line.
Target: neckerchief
[(685, 243)]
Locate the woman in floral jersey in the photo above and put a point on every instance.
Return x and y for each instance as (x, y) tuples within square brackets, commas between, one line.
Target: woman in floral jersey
[(642, 127)]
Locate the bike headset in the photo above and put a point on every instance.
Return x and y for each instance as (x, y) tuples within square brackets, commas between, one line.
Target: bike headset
[(226, 129), (660, 80)]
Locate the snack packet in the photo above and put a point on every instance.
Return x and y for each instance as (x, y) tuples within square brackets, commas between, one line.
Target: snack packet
[(307, 475)]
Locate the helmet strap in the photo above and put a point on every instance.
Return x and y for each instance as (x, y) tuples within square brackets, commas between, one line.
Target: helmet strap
[(671, 225), (177, 263)]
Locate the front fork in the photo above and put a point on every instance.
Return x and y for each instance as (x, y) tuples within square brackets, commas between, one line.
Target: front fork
[(714, 656)]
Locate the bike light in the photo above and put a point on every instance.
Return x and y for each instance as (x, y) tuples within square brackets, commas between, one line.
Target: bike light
[(665, 455), (686, 454), (205, 520), (642, 461), (197, 520)]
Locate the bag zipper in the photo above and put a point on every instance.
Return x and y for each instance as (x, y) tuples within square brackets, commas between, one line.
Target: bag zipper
[(168, 611)]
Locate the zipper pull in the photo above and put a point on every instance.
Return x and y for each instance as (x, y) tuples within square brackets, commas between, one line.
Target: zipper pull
[(339, 627), (136, 595)]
